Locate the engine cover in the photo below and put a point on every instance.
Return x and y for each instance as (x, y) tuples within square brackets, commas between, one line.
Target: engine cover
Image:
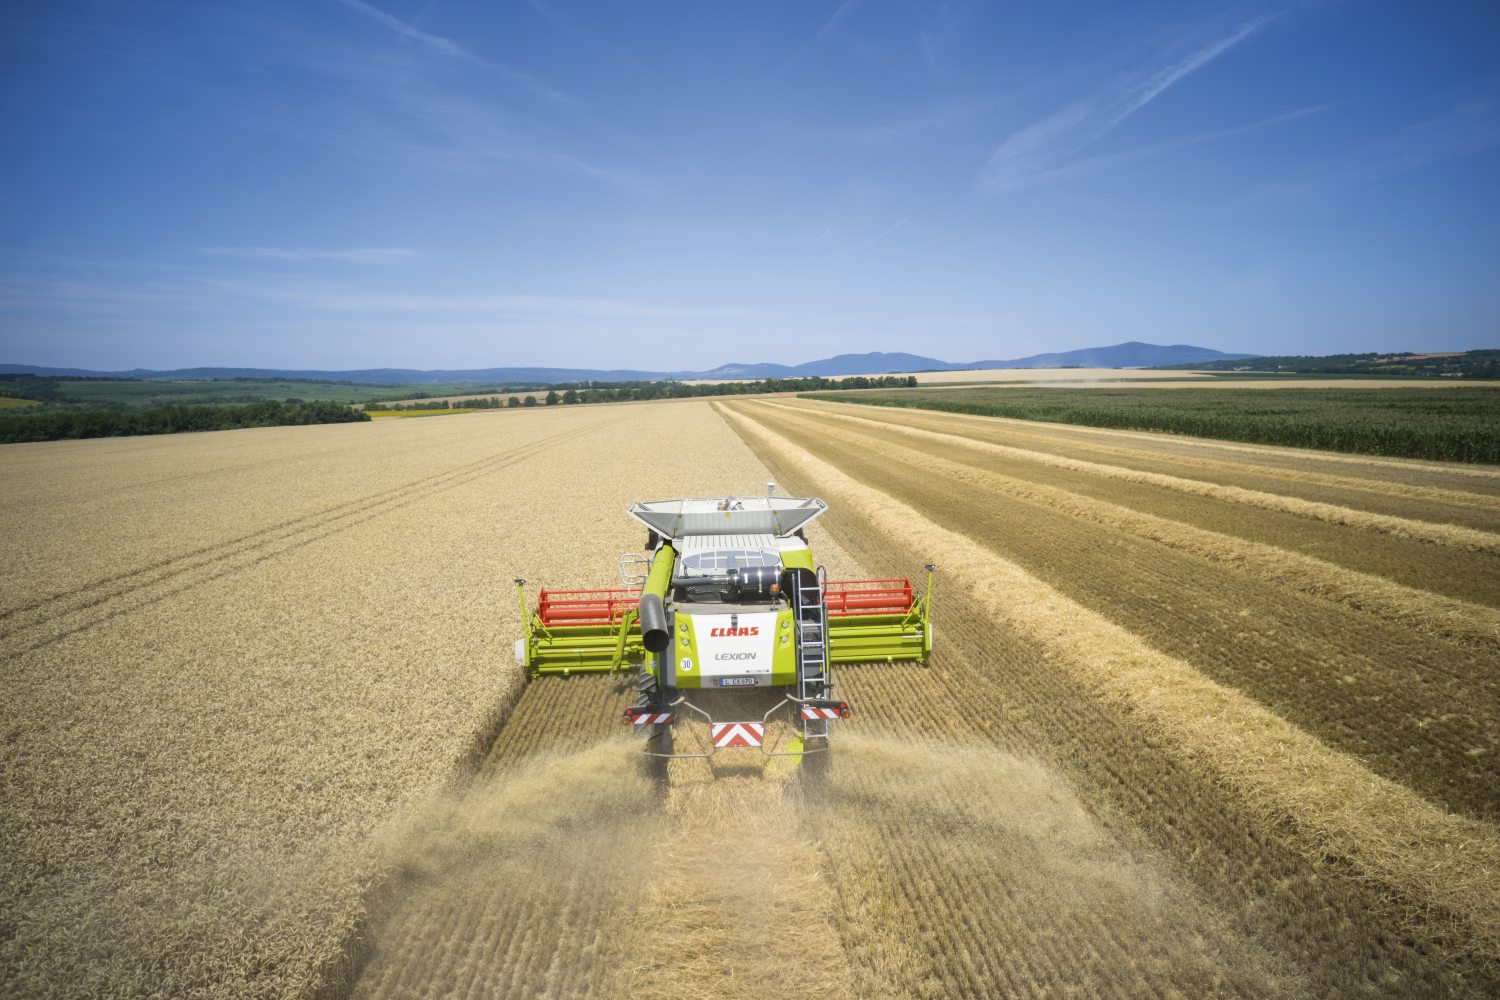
[(738, 650)]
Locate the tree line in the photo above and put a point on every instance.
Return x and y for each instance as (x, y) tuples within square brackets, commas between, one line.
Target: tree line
[(53, 425), (57, 420), (623, 392), (1480, 364)]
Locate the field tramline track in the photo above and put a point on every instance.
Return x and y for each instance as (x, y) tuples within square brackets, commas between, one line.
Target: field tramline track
[(249, 549), (425, 484)]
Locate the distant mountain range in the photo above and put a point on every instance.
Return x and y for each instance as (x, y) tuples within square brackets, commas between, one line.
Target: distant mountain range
[(1129, 355)]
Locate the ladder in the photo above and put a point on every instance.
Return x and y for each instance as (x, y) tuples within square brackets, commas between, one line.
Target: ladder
[(811, 631)]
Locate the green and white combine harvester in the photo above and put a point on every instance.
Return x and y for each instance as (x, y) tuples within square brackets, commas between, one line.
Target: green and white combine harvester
[(728, 598)]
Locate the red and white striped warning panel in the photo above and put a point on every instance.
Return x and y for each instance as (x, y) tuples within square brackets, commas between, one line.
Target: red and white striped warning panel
[(739, 734), (648, 716), (652, 718), (811, 714)]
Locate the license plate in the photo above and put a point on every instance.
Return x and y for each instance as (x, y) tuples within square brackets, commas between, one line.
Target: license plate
[(730, 682)]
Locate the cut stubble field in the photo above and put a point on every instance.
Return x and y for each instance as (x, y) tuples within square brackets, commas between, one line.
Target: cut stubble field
[(1204, 719)]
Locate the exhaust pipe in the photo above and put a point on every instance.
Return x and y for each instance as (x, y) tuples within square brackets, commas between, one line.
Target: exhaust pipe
[(653, 621)]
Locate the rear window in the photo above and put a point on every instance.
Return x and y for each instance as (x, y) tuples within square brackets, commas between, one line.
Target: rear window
[(721, 561)]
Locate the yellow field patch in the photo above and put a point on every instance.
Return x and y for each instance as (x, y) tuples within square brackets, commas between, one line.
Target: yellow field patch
[(414, 413), (7, 403)]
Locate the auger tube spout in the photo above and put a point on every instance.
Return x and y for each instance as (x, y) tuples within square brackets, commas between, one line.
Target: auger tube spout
[(652, 615), (653, 618)]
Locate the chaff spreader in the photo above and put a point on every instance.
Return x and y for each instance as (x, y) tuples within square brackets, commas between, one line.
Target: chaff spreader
[(727, 598)]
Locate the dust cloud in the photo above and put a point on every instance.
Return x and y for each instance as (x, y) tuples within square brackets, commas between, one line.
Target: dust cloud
[(900, 868)]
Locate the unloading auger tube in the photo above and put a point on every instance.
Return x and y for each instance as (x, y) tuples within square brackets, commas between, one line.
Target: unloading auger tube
[(731, 599)]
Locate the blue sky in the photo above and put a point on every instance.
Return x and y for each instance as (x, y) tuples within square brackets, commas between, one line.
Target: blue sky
[(473, 183)]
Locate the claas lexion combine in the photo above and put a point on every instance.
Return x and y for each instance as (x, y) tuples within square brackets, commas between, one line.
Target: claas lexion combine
[(728, 599)]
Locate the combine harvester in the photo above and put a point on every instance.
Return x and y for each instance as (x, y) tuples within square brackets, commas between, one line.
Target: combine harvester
[(729, 598)]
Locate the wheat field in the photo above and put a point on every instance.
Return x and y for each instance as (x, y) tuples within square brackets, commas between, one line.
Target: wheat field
[(1204, 719)]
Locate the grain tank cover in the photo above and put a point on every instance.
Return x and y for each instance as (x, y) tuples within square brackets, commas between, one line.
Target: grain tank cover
[(777, 516)]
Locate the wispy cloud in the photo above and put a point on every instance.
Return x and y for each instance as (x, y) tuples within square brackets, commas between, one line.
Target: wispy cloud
[(161, 313), (1053, 141), (1471, 127), (352, 255), (387, 105), (1092, 164), (536, 307), (86, 289), (550, 16), (44, 294), (1158, 82), (945, 23), (453, 50), (929, 52), (889, 230), (436, 43), (844, 11)]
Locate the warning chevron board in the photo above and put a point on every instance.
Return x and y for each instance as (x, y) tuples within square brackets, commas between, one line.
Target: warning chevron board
[(652, 718), (738, 734), (810, 713)]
